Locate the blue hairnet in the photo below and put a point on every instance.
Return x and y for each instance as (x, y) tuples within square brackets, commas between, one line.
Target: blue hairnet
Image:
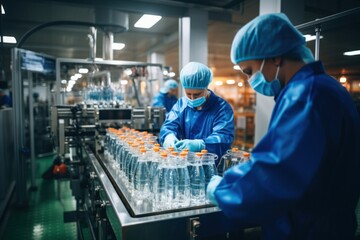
[(195, 75), (266, 36), (169, 84), (301, 53)]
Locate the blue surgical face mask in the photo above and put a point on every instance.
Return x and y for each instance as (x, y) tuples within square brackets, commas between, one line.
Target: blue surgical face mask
[(196, 102), (260, 85)]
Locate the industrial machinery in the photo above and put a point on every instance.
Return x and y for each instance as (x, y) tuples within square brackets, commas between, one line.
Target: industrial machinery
[(103, 204), (117, 94)]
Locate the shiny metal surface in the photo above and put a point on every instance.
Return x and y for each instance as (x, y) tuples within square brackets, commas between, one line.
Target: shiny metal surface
[(169, 225)]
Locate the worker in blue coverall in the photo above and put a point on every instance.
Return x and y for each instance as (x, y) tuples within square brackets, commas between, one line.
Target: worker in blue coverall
[(167, 96), (5, 100), (302, 181), (200, 120)]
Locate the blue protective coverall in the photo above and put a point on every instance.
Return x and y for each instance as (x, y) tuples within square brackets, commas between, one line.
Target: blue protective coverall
[(163, 100), (302, 181), (214, 123), (5, 100)]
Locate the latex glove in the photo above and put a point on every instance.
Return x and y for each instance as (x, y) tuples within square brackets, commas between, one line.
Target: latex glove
[(195, 145), (170, 141), (214, 182)]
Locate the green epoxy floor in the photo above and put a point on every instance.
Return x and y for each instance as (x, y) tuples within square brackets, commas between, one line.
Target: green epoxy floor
[(43, 218)]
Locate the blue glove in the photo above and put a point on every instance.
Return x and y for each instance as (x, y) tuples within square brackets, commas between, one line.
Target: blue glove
[(195, 145), (170, 141), (214, 182)]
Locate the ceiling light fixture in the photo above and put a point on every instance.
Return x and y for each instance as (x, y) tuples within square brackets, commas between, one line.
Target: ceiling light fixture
[(352, 53), (78, 75), (63, 81), (309, 37), (128, 71), (236, 67), (73, 78), (218, 83), (343, 79), (147, 21), (172, 74), (2, 9), (123, 82), (230, 81), (118, 46), (83, 70), (240, 84), (9, 39)]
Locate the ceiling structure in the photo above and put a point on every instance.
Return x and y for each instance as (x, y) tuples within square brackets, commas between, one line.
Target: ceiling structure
[(225, 18)]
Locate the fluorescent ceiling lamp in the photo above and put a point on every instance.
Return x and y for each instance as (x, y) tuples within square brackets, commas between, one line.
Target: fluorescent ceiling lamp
[(118, 46), (128, 71), (240, 84), (83, 70), (2, 9), (237, 67), (78, 75), (172, 74), (99, 59), (63, 81), (123, 82), (71, 82), (352, 53), (343, 79), (165, 72), (309, 37), (218, 83), (9, 39), (147, 21), (230, 81)]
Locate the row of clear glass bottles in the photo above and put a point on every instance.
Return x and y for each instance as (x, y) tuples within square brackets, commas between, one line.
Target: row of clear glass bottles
[(167, 178)]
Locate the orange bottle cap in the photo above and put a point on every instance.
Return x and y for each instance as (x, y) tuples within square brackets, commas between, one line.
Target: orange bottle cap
[(183, 154)]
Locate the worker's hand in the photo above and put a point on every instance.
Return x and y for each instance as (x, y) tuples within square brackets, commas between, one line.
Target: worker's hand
[(195, 145), (170, 141), (214, 182)]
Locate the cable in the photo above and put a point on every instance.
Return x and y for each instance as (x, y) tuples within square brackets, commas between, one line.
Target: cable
[(55, 23)]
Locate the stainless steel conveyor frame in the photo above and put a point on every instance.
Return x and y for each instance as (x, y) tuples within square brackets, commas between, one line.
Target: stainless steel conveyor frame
[(199, 223)]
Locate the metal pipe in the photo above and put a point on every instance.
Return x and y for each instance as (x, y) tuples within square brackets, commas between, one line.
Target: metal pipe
[(323, 20), (317, 42), (92, 42), (32, 131), (108, 40)]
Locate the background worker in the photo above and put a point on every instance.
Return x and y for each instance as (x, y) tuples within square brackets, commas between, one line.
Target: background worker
[(199, 120), (167, 96)]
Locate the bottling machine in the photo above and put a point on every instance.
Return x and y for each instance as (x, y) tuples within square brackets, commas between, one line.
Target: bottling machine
[(104, 205), (106, 94)]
